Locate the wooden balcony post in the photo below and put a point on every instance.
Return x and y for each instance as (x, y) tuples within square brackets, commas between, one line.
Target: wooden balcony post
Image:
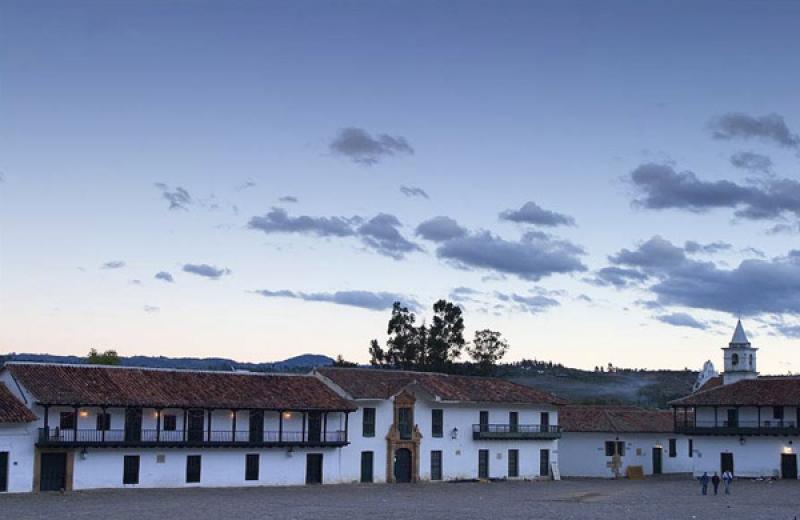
[(103, 431), (303, 432), (716, 422), (280, 425), (346, 421), (208, 435), (325, 427), (185, 420), (233, 426), (158, 424)]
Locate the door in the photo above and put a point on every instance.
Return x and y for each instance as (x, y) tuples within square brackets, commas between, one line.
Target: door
[(544, 463), (402, 465), (133, 424), (733, 417), (513, 421), (314, 468), (3, 471), (195, 426), (53, 472), (314, 426), (726, 463), (483, 420), (483, 464), (544, 422), (256, 426), (658, 454), (789, 466), (194, 464), (366, 466)]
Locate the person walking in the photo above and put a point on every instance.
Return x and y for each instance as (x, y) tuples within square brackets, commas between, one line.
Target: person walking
[(704, 483), (727, 478), (715, 482)]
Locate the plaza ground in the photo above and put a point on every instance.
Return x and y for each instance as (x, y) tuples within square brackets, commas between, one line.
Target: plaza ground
[(660, 498)]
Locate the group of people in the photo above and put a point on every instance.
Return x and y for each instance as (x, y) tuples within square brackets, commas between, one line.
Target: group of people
[(727, 478)]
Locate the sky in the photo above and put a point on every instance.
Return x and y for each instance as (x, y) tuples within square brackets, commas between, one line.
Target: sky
[(600, 182)]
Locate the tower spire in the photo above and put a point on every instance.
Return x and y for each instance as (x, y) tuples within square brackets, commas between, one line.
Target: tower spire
[(739, 337)]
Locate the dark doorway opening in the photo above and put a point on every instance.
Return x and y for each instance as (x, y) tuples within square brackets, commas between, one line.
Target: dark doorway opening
[(402, 465), (53, 472), (726, 462), (483, 464), (789, 466), (195, 426), (314, 468), (544, 463), (314, 426), (658, 456), (3, 471), (256, 426), (133, 424), (367, 459)]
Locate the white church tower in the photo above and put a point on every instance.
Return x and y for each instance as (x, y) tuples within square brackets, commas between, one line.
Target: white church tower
[(740, 358)]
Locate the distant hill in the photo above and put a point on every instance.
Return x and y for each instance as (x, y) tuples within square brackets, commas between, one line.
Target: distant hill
[(300, 363)]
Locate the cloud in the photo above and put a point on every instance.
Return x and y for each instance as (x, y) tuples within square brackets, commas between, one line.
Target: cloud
[(413, 191), (151, 309), (165, 276), (245, 185), (289, 198), (784, 228), (754, 287), (531, 213), (362, 148), (279, 221), (178, 197), (661, 187), (205, 270), (714, 247), (535, 256), (381, 234), (531, 304), (375, 301), (463, 294), (771, 127), (439, 229), (681, 319), (751, 161), (618, 277), (113, 264)]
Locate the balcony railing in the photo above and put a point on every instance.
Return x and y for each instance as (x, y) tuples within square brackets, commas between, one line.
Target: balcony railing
[(765, 427), (194, 438), (515, 432)]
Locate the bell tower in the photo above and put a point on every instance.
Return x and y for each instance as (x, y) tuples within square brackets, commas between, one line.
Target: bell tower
[(740, 358)]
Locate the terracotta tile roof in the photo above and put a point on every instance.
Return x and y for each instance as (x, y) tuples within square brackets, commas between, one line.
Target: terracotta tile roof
[(711, 383), (368, 383), (12, 410), (615, 419), (763, 391), (117, 386)]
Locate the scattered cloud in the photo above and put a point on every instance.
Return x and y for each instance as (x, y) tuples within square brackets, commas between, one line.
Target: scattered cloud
[(413, 191), (113, 264), (463, 294), (151, 309), (375, 301), (532, 304), (771, 127), (164, 276), (711, 248), (177, 197), (751, 161), (535, 256), (362, 148), (618, 277), (661, 187), (135, 282), (784, 228), (291, 199), (380, 233), (207, 271), (681, 319), (439, 229), (531, 213), (246, 185)]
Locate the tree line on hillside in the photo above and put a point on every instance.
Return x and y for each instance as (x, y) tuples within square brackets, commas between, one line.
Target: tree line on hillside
[(438, 346)]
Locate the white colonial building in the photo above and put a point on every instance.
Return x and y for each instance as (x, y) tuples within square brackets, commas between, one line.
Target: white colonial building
[(741, 421), (605, 441), (87, 427)]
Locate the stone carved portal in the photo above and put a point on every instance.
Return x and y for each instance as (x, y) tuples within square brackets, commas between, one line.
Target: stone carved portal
[(403, 435)]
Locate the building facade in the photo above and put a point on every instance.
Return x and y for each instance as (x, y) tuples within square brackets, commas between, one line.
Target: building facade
[(741, 421)]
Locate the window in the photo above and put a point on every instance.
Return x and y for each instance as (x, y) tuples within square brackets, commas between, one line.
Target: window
[(673, 448), (735, 359), (513, 463), (368, 417), (251, 466), (193, 468), (437, 423), (367, 458), (170, 423), (404, 422), (483, 464), (103, 421), (612, 446), (544, 421), (66, 421), (436, 465), (130, 469), (777, 413), (513, 421), (691, 448)]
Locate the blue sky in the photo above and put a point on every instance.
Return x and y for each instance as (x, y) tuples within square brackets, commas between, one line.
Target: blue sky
[(146, 137)]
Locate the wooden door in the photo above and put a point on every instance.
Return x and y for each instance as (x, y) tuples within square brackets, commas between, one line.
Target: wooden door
[(3, 471), (544, 463), (726, 462), (195, 427), (789, 466), (402, 465), (53, 472), (256, 426), (658, 455), (314, 427), (314, 468), (133, 424), (367, 465), (483, 464)]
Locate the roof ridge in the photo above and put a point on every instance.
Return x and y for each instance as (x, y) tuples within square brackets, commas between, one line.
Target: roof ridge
[(156, 369)]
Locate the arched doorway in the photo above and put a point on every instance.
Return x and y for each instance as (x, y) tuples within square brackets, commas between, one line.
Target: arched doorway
[(402, 465)]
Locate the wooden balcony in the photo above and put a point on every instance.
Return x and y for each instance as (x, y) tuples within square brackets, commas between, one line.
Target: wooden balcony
[(776, 427), (510, 432), (55, 437)]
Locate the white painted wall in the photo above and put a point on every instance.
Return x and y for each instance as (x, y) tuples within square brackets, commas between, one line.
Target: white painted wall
[(583, 454), (758, 456), (18, 441)]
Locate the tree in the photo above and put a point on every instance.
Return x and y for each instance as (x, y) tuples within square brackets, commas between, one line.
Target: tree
[(340, 361), (377, 356), (487, 349), (403, 348), (445, 338), (109, 357)]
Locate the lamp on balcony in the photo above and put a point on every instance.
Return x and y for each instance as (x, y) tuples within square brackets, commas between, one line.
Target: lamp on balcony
[(454, 433)]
